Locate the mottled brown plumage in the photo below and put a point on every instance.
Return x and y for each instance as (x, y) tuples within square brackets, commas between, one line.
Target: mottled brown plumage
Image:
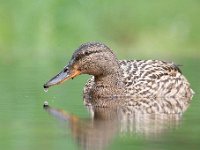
[(141, 84)]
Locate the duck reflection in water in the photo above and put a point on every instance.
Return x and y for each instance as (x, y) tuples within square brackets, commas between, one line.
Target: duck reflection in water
[(98, 131)]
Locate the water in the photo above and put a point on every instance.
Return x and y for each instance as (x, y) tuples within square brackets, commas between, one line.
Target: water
[(37, 38), (107, 123), (66, 124), (24, 124)]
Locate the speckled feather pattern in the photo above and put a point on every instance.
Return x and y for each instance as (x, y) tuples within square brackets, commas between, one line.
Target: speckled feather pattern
[(151, 86), (154, 78), (146, 86)]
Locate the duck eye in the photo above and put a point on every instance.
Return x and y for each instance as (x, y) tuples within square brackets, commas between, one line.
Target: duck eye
[(77, 57)]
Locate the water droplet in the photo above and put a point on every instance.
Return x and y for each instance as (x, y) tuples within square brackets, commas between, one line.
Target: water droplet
[(46, 89), (46, 104)]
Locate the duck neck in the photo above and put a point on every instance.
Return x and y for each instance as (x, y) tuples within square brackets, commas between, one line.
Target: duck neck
[(109, 85), (109, 80)]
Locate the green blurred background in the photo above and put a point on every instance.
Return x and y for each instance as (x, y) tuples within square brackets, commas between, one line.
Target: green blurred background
[(38, 37)]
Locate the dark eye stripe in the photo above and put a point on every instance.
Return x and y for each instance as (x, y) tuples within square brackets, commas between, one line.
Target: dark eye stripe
[(79, 56), (91, 52)]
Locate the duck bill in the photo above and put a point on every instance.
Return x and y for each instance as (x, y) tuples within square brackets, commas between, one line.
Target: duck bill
[(64, 75)]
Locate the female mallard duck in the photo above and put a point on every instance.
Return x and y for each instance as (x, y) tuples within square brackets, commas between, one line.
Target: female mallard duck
[(113, 79)]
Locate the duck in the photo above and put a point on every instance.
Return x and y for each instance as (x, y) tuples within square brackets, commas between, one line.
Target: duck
[(140, 84)]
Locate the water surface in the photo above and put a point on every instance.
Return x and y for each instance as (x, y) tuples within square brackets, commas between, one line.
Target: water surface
[(24, 124)]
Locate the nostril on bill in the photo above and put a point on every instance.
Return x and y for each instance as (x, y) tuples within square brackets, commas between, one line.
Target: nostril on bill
[(65, 69)]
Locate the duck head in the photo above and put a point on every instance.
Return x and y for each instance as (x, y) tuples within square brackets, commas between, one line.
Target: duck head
[(90, 58)]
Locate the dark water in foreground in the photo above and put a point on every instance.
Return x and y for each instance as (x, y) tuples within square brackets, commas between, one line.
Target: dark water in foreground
[(67, 124)]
